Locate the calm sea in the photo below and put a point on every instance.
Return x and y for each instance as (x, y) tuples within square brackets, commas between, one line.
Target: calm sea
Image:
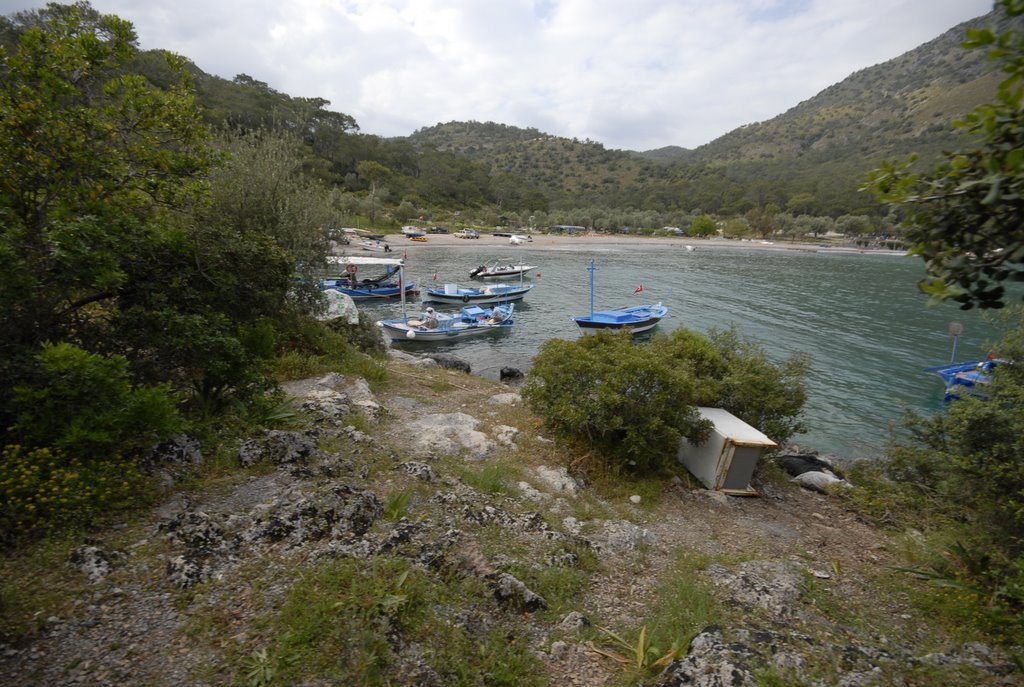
[(860, 318)]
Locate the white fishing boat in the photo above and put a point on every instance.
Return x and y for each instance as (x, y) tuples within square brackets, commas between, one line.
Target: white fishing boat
[(488, 294), (430, 325)]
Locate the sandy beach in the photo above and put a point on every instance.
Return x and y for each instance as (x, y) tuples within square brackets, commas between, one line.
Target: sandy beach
[(399, 242)]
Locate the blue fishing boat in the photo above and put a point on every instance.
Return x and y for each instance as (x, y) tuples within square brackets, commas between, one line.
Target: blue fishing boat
[(389, 284), (637, 319), (430, 325), (969, 378)]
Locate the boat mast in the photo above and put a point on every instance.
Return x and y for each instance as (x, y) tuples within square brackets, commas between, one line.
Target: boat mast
[(592, 269)]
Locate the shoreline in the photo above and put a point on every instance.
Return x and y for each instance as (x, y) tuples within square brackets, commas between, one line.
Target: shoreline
[(399, 242)]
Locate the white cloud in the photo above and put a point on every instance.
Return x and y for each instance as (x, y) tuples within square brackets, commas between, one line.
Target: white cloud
[(636, 75)]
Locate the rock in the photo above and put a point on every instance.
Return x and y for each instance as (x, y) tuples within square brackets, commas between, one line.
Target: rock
[(280, 447), (772, 585), (92, 561), (558, 479), (635, 498), (710, 663), (510, 373), (797, 461), (573, 621), (196, 532), (620, 536), (507, 399), (450, 362), (449, 434), (181, 452), (822, 481), (418, 470), (505, 435), (511, 591)]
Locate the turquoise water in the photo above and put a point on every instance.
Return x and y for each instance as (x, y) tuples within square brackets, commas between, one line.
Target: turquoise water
[(860, 318)]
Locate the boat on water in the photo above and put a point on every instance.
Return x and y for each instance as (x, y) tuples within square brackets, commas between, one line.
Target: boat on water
[(637, 319), (488, 294), (502, 267), (471, 320), (374, 245), (968, 378), (381, 285)]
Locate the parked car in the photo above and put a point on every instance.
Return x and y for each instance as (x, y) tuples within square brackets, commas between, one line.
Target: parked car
[(438, 230), (467, 234)]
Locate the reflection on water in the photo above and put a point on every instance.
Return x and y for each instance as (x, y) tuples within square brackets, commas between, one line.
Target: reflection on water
[(859, 317)]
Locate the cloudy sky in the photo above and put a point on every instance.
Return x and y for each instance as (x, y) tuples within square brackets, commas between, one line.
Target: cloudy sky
[(630, 74)]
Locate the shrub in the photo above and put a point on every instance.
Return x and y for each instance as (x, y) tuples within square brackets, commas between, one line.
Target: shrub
[(83, 405), (43, 491), (634, 402)]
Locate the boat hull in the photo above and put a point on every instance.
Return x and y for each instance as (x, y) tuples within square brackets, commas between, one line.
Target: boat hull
[(470, 321), (492, 295), (400, 331), (370, 291), (636, 320)]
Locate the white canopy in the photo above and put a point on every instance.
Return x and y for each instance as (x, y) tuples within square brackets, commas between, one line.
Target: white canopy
[(360, 260)]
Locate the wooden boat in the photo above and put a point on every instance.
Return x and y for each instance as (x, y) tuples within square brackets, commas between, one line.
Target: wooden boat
[(390, 284), (500, 268), (472, 320), (489, 294), (968, 378), (637, 319)]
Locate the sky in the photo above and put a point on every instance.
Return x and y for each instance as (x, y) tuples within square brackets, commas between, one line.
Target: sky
[(629, 74)]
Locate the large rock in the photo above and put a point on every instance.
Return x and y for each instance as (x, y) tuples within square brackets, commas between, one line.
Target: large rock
[(711, 663), (448, 434)]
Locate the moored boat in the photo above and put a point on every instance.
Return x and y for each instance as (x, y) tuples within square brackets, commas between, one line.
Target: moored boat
[(636, 319), (500, 268), (389, 284), (968, 378), (489, 294), (472, 320)]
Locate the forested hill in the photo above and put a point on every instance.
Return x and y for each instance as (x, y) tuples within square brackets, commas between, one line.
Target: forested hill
[(809, 159)]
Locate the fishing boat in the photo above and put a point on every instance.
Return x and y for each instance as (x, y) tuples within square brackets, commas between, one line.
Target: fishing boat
[(636, 319), (502, 267), (410, 231), (472, 320), (968, 378), (489, 294), (390, 284)]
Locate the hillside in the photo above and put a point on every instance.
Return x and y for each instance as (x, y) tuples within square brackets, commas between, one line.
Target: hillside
[(823, 146)]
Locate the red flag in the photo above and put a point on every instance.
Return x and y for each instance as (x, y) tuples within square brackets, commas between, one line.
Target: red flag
[(639, 289)]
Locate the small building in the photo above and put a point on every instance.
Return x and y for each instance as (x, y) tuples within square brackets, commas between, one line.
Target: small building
[(726, 461)]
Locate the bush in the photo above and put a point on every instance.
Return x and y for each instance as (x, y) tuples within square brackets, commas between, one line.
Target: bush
[(83, 405), (962, 473), (634, 402), (44, 491)]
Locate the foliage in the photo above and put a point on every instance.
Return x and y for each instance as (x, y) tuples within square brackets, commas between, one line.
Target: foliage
[(340, 621), (43, 490), (84, 405), (633, 403), (962, 470), (966, 217), (703, 226)]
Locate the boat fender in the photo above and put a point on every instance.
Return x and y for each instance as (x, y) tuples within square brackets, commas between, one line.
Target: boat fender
[(465, 298), (410, 334)]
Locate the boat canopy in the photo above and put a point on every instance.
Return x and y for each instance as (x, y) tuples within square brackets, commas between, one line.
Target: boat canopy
[(388, 262), (360, 260)]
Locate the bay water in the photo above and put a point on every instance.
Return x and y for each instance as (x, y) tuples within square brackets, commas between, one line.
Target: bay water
[(860, 318)]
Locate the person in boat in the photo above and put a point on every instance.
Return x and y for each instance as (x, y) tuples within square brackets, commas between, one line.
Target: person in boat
[(430, 321)]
